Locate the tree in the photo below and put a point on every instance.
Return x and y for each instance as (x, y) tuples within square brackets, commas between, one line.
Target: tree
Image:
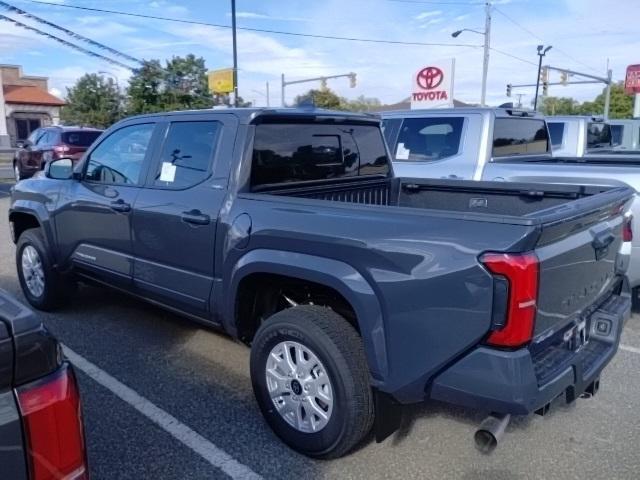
[(620, 106), (322, 98), (181, 84), (93, 101), (219, 99), (362, 104), (559, 106)]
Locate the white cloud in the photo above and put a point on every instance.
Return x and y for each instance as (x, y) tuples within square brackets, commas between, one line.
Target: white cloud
[(462, 17), (423, 15)]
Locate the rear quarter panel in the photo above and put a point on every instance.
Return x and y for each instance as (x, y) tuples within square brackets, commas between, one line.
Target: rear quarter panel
[(435, 298)]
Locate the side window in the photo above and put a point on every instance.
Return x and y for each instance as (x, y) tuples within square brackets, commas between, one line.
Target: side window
[(428, 139), (598, 135), (118, 159), (390, 128), (556, 133), (35, 135), (616, 135), (186, 154)]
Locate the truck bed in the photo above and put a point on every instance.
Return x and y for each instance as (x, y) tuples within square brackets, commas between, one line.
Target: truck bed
[(511, 199)]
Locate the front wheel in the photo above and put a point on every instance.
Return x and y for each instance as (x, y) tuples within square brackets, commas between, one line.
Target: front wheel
[(311, 381), (41, 284)]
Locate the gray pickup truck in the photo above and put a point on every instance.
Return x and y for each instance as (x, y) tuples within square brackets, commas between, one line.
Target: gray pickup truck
[(41, 431), (579, 136), (504, 145), (625, 135), (357, 290)]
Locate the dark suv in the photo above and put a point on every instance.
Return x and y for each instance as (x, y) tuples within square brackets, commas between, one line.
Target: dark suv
[(49, 143)]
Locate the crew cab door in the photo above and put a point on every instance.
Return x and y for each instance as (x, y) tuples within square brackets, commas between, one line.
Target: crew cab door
[(93, 221), (175, 215)]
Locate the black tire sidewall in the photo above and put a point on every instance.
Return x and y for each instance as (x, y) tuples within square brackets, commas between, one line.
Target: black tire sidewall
[(46, 300), (313, 444)]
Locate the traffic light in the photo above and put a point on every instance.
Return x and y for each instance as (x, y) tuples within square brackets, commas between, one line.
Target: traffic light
[(352, 80), (564, 78), (544, 75), (508, 90), (545, 88)]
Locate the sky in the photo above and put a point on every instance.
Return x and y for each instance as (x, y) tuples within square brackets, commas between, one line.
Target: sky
[(583, 33)]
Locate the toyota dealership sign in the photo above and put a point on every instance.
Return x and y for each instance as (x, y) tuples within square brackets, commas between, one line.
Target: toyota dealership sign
[(433, 85)]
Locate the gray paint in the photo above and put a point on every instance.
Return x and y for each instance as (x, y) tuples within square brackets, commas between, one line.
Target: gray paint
[(411, 274)]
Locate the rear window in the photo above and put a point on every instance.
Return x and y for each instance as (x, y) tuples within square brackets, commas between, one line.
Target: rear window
[(556, 133), (284, 153), (428, 139), (519, 136), (598, 135), (79, 139)]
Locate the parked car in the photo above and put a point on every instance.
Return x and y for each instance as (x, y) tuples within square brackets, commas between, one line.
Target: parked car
[(503, 144), (357, 290), (626, 134), (41, 430), (49, 143)]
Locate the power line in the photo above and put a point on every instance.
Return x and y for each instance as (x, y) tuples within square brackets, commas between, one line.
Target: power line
[(73, 34), (506, 54), (536, 36), (65, 42), (261, 30)]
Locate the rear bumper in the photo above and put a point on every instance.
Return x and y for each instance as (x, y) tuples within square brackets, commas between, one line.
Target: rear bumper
[(519, 382)]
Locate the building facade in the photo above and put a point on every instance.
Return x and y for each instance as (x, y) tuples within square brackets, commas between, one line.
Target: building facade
[(25, 105)]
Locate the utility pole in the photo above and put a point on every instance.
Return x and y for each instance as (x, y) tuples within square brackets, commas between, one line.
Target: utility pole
[(235, 54), (541, 53), (268, 102), (487, 48), (282, 102)]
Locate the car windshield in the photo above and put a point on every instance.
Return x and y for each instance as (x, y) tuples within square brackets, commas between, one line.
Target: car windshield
[(80, 139)]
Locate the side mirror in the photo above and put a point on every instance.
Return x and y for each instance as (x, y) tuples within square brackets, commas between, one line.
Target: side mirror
[(60, 169)]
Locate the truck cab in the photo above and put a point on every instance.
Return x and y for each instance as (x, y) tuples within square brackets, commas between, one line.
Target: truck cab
[(625, 135), (577, 136)]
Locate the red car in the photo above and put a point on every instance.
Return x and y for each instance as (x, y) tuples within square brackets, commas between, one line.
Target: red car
[(49, 143)]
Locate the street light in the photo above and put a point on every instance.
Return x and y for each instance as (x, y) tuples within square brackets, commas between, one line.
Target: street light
[(542, 51), (487, 42)]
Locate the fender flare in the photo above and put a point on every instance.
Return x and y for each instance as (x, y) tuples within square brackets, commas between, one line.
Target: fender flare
[(331, 273), (39, 212)]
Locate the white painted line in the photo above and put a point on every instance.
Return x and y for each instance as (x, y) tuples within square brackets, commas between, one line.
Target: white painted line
[(627, 348), (196, 442)]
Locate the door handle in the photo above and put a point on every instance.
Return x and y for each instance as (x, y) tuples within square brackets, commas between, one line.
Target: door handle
[(195, 217), (120, 206)]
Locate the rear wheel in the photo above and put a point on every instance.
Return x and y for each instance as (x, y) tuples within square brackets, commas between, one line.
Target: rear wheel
[(41, 284), (311, 380)]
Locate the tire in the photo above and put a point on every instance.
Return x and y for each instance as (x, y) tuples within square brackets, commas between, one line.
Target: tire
[(635, 300), (335, 344), (55, 290)]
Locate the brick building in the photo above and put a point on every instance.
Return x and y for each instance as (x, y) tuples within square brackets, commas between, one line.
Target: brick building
[(25, 104)]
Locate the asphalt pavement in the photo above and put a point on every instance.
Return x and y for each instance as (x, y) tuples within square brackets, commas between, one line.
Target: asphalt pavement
[(199, 378)]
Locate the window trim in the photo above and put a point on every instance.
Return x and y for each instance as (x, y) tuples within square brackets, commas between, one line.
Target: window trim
[(145, 162), (163, 136)]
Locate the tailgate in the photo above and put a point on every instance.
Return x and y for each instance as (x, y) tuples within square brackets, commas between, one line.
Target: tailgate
[(577, 258)]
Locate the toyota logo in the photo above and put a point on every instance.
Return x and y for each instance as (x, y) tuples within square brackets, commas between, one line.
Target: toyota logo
[(429, 78)]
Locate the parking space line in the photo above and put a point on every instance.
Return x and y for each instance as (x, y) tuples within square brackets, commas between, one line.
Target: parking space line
[(181, 432), (627, 348)]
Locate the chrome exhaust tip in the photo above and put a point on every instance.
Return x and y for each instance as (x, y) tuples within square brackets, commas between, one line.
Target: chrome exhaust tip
[(490, 432)]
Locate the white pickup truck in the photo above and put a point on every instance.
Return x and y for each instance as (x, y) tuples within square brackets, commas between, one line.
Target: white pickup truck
[(502, 144), (578, 136)]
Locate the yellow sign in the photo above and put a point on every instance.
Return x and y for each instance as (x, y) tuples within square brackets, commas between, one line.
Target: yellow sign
[(221, 81)]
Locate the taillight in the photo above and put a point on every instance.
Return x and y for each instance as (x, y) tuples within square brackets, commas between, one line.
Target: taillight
[(52, 420), (61, 149), (521, 274), (627, 228)]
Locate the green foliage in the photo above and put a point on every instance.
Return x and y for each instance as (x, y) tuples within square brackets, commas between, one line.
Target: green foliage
[(327, 98), (93, 102), (621, 104), (180, 85), (322, 98)]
